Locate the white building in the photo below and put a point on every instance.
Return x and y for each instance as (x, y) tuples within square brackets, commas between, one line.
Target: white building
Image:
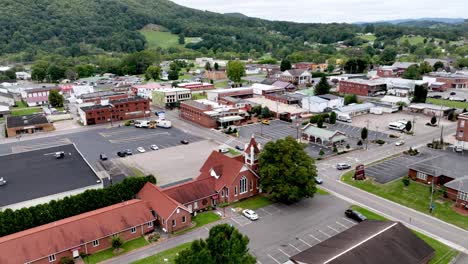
[(171, 96), (262, 89), (314, 104), (333, 100), (214, 95), (356, 109), (23, 76)]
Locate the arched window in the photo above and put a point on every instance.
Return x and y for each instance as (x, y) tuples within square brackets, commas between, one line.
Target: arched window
[(243, 185)]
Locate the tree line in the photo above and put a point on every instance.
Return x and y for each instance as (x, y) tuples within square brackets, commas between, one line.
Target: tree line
[(12, 221)]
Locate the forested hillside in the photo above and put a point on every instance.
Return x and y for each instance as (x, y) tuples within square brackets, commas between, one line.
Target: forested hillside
[(66, 26)]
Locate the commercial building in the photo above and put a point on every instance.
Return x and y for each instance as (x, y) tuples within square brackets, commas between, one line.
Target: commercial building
[(446, 170), (264, 89), (361, 87), (37, 176), (333, 100), (371, 241), (286, 98), (171, 97), (197, 86), (101, 96), (276, 107), (323, 136), (451, 80), (314, 104), (37, 96), (146, 90), (27, 124), (211, 114), (461, 134), (4, 109), (356, 109), (430, 109), (241, 92), (114, 111), (388, 72)]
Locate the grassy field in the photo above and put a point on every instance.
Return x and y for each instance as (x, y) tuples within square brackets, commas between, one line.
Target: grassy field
[(412, 40), (416, 196), (107, 254), (160, 39), (199, 96), (253, 203), (200, 220), (443, 253), (447, 103), (233, 152), (222, 84), (21, 104), (25, 111), (368, 37), (169, 254)]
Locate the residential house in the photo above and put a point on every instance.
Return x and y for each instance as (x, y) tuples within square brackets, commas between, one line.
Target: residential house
[(37, 96), (287, 86), (299, 77), (146, 90)]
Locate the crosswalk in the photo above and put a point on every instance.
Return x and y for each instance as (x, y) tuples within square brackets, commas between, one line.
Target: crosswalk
[(42, 145)]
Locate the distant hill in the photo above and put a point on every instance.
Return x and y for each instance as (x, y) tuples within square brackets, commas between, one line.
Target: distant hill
[(418, 20)]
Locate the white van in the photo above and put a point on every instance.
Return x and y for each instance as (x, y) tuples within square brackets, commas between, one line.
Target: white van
[(142, 123), (343, 117), (396, 126)]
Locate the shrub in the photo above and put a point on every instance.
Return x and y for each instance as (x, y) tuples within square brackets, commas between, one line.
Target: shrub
[(66, 260), (335, 150), (433, 120), (380, 141), (305, 123), (321, 153), (116, 241), (359, 143), (347, 146), (394, 136), (406, 181), (127, 123), (153, 237)]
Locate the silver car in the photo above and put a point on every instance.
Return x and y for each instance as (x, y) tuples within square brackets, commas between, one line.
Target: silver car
[(250, 214)]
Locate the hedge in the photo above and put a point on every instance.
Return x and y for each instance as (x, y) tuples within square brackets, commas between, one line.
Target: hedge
[(29, 217)]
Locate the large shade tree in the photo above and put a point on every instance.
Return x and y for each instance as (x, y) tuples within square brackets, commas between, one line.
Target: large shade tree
[(235, 70), (287, 172)]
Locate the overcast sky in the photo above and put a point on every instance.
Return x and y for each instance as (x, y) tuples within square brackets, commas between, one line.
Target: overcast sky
[(334, 10)]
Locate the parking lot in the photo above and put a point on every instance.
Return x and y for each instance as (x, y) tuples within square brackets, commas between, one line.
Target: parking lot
[(283, 231), (461, 93), (395, 168)]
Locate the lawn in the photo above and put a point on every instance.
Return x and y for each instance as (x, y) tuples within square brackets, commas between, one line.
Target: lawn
[(233, 152), (160, 39), (25, 111), (414, 40), (200, 220), (447, 103), (322, 191), (368, 37), (253, 203), (169, 254), (197, 96), (443, 253), (21, 104), (107, 254), (416, 196), (137, 172), (222, 84)]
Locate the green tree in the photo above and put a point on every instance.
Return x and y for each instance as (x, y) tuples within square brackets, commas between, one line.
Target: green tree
[(364, 133), (39, 70), (332, 118), (425, 67), (320, 122), (355, 65), (388, 56), (55, 98), (408, 126), (266, 113), (152, 72), (181, 39), (322, 87), (116, 241), (287, 171), (208, 66), (235, 70), (330, 68), (228, 245), (413, 73), (433, 120), (438, 65), (216, 66), (198, 253), (285, 65), (350, 99), (70, 74), (173, 75), (420, 94)]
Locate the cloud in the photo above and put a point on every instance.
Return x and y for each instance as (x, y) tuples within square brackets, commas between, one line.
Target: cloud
[(334, 10)]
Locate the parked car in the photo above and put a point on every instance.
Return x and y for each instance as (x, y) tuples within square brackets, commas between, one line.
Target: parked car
[(141, 149), (343, 166), (121, 154), (240, 148), (224, 150), (399, 143), (184, 141), (266, 122), (102, 156), (459, 149), (318, 180), (355, 215), (2, 181), (128, 152), (437, 96), (250, 214), (154, 147)]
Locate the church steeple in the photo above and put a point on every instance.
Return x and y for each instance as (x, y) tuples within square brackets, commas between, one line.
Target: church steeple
[(251, 153)]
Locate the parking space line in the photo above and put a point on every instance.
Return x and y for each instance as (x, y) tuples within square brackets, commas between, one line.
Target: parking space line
[(273, 259), (265, 211), (324, 233), (315, 238), (349, 221), (295, 247), (341, 224), (300, 239), (284, 252), (233, 219), (333, 229)]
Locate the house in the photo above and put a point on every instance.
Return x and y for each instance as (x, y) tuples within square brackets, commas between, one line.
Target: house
[(383, 242), (447, 170), (287, 86), (27, 124), (299, 77), (171, 97), (37, 96), (114, 111), (201, 62), (431, 62), (252, 69), (403, 66), (362, 87), (86, 233), (388, 72), (322, 136), (215, 75), (23, 75)]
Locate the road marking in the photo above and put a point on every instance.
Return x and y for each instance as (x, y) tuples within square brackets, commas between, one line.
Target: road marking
[(300, 239), (266, 211), (284, 252), (341, 224), (324, 233), (273, 259), (349, 221), (233, 219), (315, 238), (295, 247), (207, 228), (333, 229)]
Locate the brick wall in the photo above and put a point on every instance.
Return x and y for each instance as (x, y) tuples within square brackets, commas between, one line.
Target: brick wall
[(197, 116), (179, 224), (119, 111), (11, 132), (236, 183), (353, 88)]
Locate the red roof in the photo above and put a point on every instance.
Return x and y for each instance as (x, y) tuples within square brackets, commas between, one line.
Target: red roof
[(192, 191), (55, 237), (160, 202), (253, 143), (226, 169)]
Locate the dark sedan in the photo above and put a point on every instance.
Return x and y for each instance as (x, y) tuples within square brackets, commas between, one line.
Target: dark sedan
[(355, 215)]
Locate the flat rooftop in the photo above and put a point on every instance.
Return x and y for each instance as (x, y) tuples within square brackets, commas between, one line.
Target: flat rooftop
[(38, 173)]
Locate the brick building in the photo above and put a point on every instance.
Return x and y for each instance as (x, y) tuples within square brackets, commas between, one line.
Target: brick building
[(215, 75), (361, 87), (115, 111), (457, 81), (98, 97), (27, 124), (197, 86), (388, 72), (461, 134), (211, 114)]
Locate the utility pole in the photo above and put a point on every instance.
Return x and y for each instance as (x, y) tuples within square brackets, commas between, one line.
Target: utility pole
[(414, 123), (367, 138), (432, 194)]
